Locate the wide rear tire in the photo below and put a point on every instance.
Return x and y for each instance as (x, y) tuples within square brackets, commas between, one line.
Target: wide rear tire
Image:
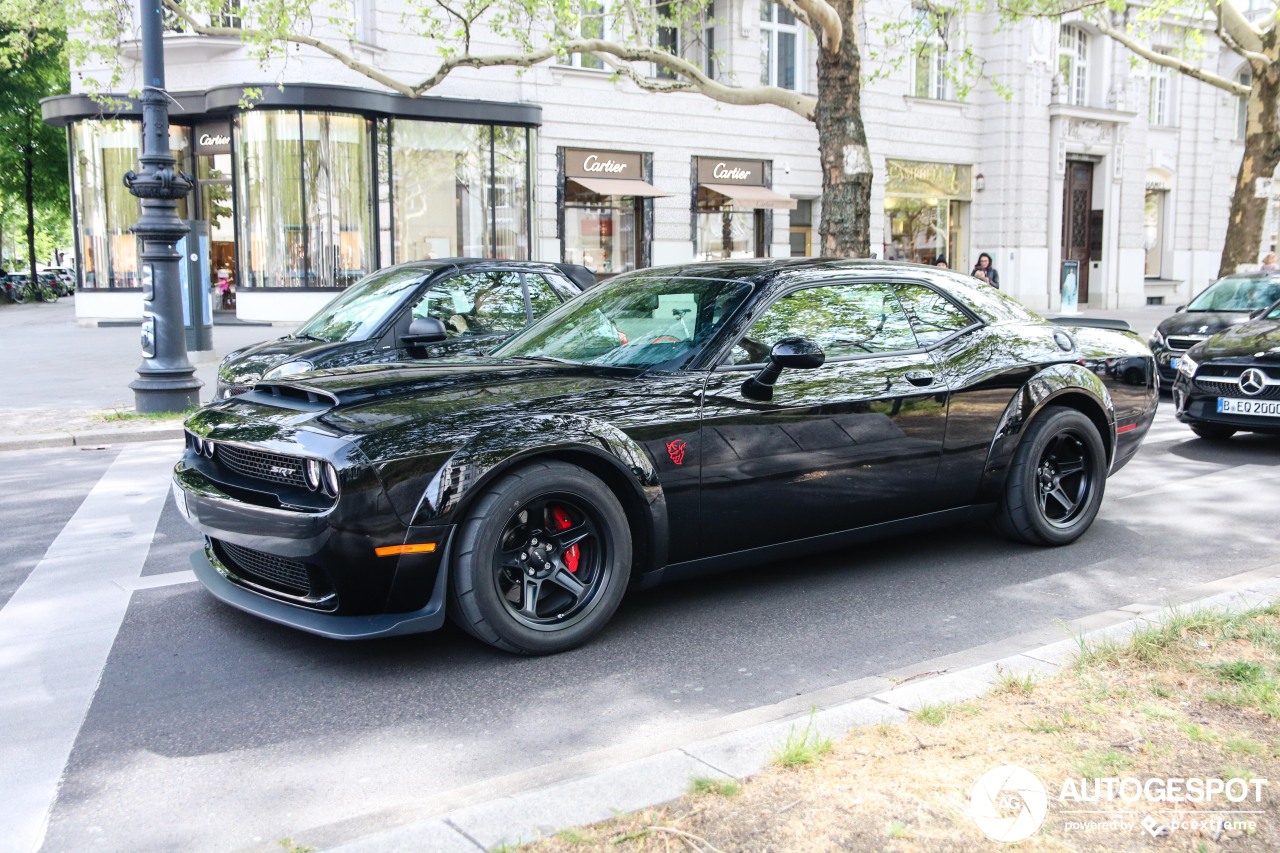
[(542, 561), (1056, 481)]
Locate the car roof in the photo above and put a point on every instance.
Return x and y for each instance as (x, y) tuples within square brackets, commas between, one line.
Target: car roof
[(431, 265)]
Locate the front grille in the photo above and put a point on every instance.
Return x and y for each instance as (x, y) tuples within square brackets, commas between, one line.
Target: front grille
[(1184, 343), (261, 465), (278, 573), (225, 390), (1224, 380)]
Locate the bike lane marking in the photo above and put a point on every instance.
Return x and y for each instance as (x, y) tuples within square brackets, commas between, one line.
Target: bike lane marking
[(58, 628)]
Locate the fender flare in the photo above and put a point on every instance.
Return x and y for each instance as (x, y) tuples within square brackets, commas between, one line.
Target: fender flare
[(1087, 393), (602, 448)]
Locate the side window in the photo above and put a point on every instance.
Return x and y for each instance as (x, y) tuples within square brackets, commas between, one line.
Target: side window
[(844, 319), (482, 303), (542, 298), (933, 316)]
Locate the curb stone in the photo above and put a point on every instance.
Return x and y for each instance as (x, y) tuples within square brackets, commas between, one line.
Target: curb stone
[(499, 818), (89, 439)]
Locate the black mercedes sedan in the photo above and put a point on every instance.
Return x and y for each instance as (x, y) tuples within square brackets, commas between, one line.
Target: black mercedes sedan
[(480, 301), (1231, 382), (1227, 302), (669, 422)]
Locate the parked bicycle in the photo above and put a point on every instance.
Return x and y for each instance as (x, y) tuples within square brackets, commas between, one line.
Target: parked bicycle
[(18, 288)]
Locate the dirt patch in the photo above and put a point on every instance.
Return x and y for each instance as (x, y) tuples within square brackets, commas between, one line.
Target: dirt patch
[(1198, 698)]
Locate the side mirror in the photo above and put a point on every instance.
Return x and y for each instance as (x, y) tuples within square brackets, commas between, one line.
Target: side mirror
[(793, 353), (1179, 309), (425, 330)]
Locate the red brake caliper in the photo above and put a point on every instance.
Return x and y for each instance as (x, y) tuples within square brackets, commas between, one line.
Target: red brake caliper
[(563, 522)]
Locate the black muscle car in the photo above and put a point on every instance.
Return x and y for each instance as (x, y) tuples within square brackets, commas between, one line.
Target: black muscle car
[(668, 422), (480, 301), (1231, 382)]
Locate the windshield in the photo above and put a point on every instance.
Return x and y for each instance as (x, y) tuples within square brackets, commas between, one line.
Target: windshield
[(640, 320), (1237, 294), (360, 309)]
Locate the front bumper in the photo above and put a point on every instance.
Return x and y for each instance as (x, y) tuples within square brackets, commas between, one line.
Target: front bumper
[(317, 571), (1192, 407)]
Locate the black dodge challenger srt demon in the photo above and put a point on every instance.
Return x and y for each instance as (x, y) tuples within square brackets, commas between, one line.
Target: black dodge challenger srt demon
[(671, 421)]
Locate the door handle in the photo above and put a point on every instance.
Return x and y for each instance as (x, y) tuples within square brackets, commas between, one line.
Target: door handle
[(920, 378)]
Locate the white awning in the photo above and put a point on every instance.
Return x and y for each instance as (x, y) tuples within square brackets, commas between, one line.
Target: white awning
[(620, 186), (754, 196)]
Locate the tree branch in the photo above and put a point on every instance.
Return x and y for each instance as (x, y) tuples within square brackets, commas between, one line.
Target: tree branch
[(801, 105), (1167, 61), (822, 18), (1233, 23), (295, 38)]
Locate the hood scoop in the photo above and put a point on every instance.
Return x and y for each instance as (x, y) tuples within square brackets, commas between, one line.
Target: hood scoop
[(285, 396)]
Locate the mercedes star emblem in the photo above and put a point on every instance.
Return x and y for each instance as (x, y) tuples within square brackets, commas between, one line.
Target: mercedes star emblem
[(1252, 381)]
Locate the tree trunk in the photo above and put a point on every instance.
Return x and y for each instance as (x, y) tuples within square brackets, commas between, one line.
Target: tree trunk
[(845, 229), (1261, 156), (28, 168)]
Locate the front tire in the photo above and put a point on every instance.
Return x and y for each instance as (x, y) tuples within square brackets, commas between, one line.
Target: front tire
[(1213, 432), (1056, 481), (542, 561)]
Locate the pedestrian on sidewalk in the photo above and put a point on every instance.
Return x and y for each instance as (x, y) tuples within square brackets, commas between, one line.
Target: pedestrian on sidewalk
[(989, 274)]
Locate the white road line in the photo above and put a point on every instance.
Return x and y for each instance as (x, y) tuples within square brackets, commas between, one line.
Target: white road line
[(156, 581), (58, 628)]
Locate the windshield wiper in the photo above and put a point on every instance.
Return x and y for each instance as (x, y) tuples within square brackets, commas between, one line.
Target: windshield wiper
[(306, 337), (545, 358)]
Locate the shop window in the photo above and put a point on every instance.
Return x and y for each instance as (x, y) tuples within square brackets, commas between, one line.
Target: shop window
[(1073, 64), (509, 205), (1244, 78), (105, 210), (782, 44), (725, 232), (438, 185), (269, 205), (337, 187), (845, 320), (802, 229), (1160, 95), (601, 232), (933, 34), (919, 230), (1153, 231)]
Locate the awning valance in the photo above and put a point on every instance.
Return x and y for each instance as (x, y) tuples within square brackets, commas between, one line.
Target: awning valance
[(620, 186), (754, 196)]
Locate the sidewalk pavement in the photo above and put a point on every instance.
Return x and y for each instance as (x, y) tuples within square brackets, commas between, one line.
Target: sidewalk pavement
[(60, 379)]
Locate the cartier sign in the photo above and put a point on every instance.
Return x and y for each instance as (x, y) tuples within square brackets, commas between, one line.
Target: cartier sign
[(213, 139), (584, 163), (720, 170)]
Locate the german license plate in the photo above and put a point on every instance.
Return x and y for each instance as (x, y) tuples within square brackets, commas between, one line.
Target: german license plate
[(1173, 363), (1265, 408)]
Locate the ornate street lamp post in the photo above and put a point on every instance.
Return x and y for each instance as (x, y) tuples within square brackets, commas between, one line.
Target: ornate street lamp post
[(166, 380)]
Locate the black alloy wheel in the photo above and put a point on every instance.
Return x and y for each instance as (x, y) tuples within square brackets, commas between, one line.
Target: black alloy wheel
[(542, 561), (1213, 432), (1056, 481)]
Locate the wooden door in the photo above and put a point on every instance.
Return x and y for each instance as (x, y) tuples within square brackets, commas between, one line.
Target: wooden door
[(1077, 203)]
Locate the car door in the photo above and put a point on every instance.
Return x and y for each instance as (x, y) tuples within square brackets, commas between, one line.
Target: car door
[(854, 442)]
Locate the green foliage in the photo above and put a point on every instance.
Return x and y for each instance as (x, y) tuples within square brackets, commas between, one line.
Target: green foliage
[(803, 747)]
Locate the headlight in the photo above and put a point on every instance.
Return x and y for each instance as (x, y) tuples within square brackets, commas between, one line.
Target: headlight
[(313, 474), (330, 480), (1187, 367), (1156, 339), (289, 368)]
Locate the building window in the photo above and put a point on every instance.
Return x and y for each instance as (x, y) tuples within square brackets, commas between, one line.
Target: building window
[(933, 36), (228, 15), (592, 24), (709, 42), (1073, 64), (1153, 231), (1160, 95), (802, 229), (1244, 78), (105, 210), (781, 48)]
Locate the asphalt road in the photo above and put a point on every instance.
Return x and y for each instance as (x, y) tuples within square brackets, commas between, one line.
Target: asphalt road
[(212, 730)]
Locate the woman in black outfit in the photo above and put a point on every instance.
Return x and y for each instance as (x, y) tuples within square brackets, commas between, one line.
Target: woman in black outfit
[(984, 264)]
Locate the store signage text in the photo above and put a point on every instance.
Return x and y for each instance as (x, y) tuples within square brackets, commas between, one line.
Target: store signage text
[(212, 139), (721, 172), (938, 180), (750, 173), (595, 164)]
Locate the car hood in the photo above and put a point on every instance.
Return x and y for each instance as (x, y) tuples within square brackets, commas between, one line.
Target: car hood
[(1258, 338), (250, 363), (1200, 322)]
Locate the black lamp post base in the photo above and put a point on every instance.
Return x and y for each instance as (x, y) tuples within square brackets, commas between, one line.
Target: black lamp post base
[(158, 392)]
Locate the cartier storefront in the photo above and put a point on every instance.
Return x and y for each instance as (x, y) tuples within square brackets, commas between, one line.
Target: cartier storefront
[(731, 201), (605, 219)]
